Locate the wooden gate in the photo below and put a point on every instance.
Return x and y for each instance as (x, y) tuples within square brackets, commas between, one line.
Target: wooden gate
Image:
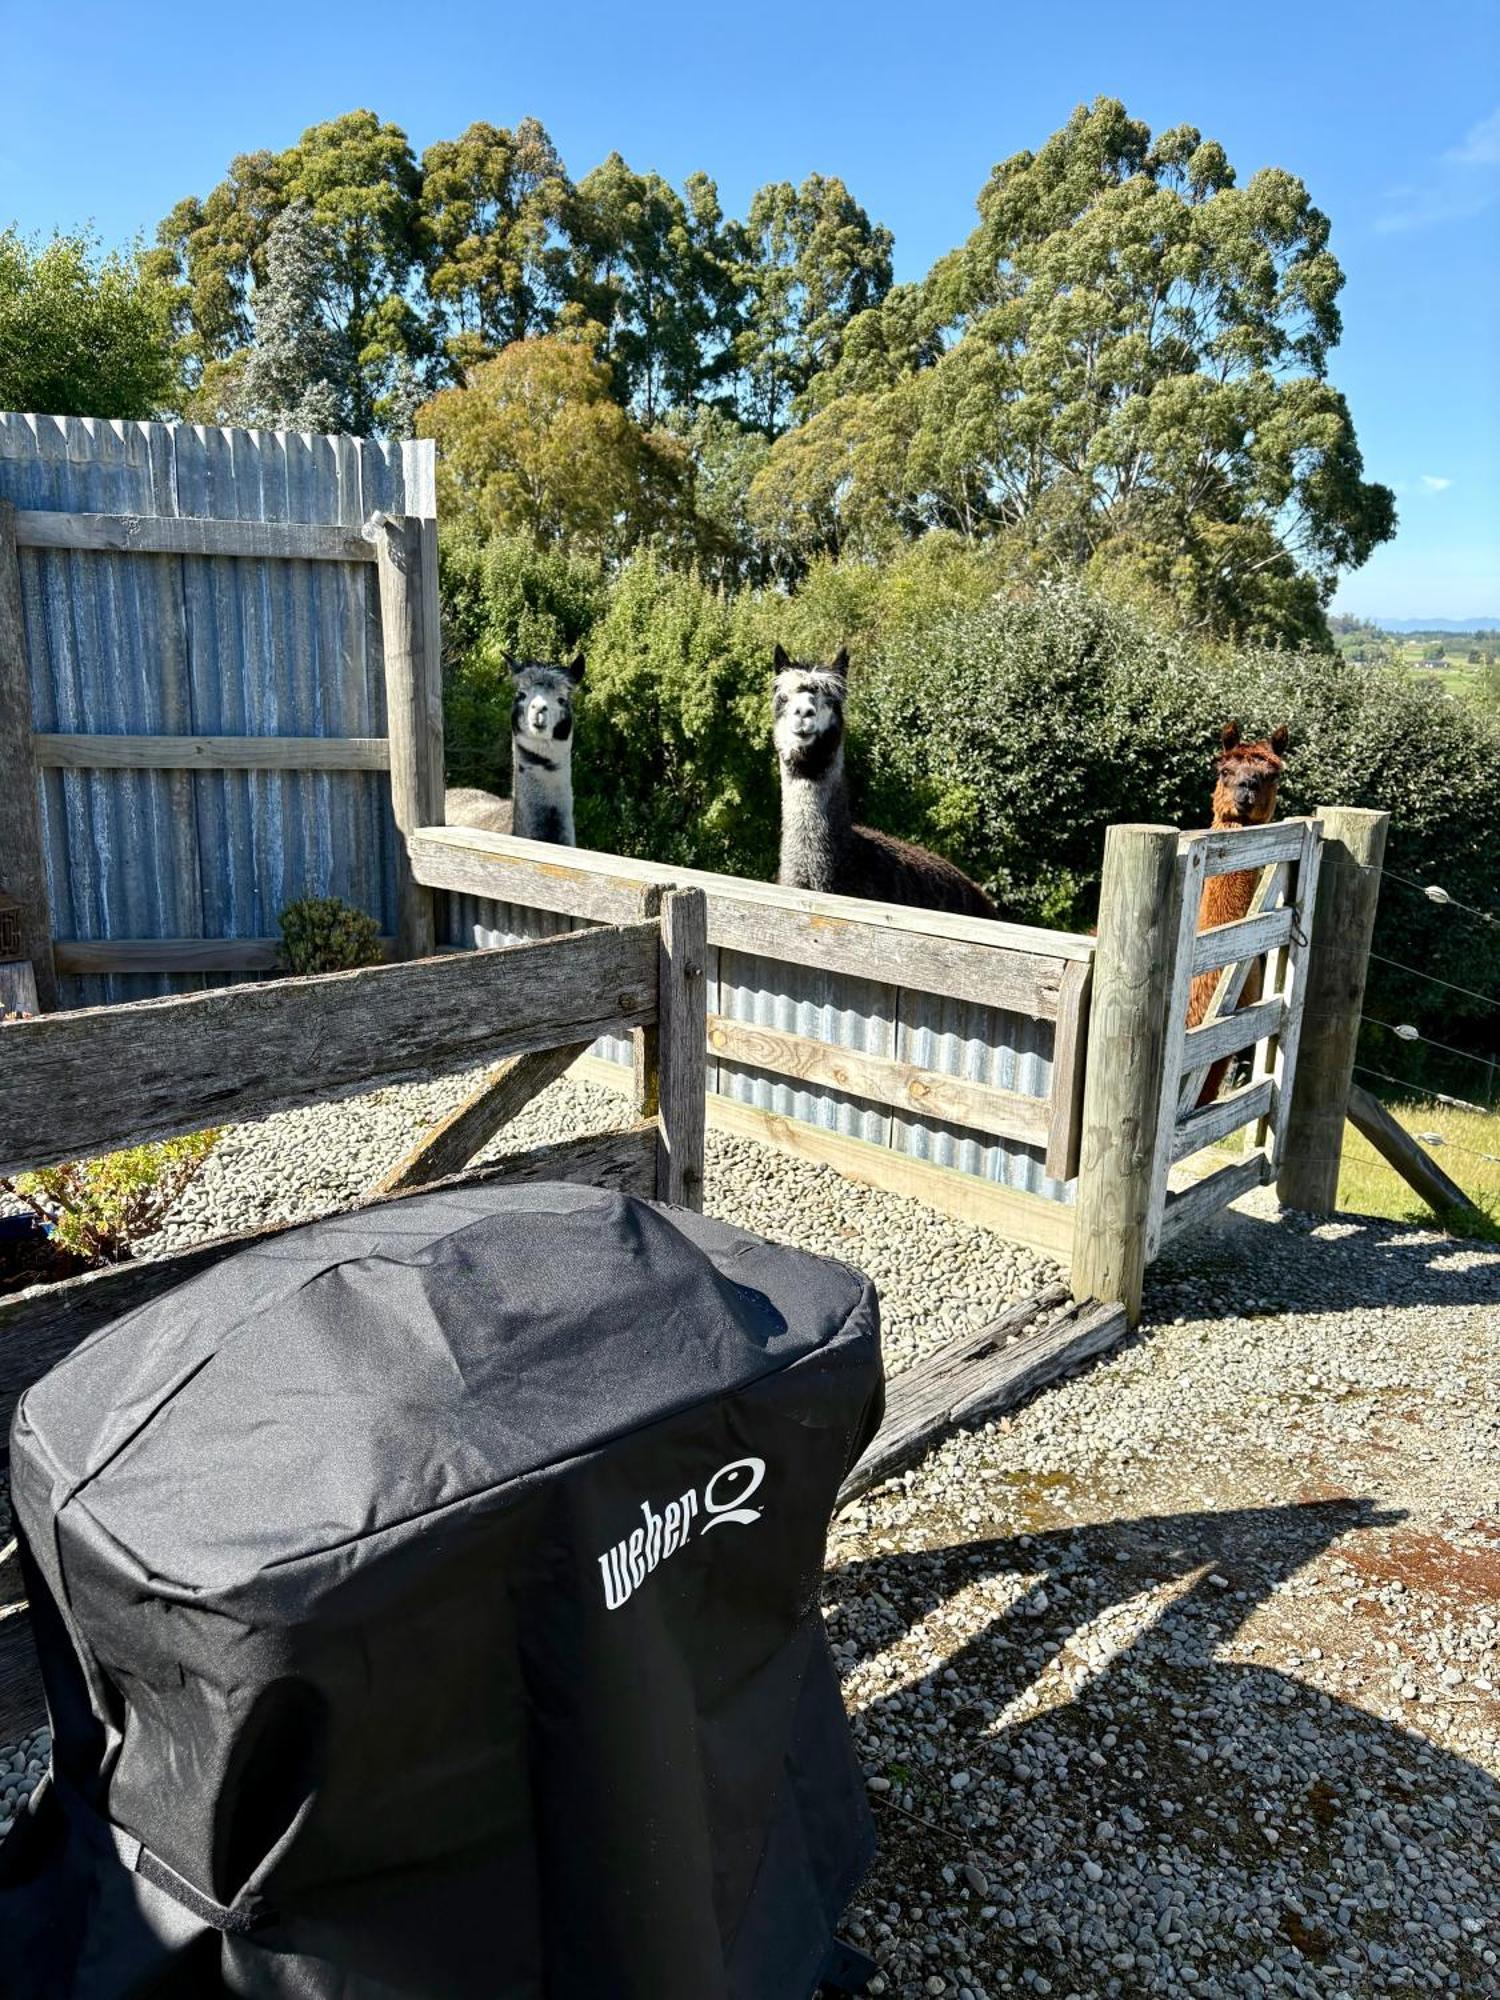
[(1274, 934)]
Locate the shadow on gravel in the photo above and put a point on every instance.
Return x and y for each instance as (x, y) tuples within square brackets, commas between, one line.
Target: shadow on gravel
[(1375, 1859), (1289, 1262)]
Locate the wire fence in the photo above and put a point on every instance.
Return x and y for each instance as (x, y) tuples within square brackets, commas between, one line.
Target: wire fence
[(1481, 1160)]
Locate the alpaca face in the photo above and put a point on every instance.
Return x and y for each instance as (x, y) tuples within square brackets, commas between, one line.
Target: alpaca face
[(541, 713), (1249, 775), (807, 714)]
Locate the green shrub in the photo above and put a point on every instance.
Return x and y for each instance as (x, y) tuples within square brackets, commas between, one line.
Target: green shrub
[(673, 758), (326, 934), (100, 1209), (1011, 735)]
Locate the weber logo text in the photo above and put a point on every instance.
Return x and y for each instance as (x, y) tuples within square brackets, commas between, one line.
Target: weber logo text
[(724, 1500)]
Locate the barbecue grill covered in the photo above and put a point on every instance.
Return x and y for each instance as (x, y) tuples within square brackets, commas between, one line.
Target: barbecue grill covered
[(427, 1602)]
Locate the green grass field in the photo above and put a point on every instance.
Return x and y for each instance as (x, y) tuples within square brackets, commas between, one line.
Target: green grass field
[(1470, 1156)]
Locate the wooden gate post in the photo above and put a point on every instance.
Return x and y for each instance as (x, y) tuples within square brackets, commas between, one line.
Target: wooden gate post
[(1343, 920), (23, 866), (406, 557), (1138, 921), (682, 1020)]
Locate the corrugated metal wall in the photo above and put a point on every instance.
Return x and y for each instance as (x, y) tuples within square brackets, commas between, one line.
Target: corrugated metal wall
[(954, 1037), (183, 645)]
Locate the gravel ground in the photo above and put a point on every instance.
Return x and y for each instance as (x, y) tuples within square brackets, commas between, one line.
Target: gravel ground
[(1183, 1678)]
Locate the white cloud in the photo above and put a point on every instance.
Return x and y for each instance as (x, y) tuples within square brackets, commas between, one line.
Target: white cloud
[(1462, 183), (1435, 485), (1481, 146)]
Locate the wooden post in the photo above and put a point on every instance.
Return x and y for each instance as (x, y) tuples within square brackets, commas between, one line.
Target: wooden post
[(23, 865), (646, 1042), (1138, 922), (1343, 920), (683, 1019), (406, 556), (1400, 1150)]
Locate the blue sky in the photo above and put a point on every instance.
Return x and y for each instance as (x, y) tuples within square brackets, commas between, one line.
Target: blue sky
[(1390, 113)]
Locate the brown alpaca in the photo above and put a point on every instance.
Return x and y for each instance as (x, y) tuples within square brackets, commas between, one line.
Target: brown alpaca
[(1249, 775)]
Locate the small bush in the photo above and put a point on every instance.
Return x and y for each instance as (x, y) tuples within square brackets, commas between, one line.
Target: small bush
[(326, 934), (673, 759), (100, 1209)]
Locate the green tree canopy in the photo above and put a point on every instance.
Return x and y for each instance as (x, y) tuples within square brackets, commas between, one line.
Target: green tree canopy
[(1125, 364), (494, 203), (655, 269), (363, 188), (535, 443), (812, 260), (83, 335)]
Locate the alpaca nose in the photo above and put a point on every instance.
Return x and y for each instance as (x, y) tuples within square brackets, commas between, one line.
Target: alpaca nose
[(538, 718)]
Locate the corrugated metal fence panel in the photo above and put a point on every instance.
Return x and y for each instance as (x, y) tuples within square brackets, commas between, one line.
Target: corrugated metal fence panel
[(982, 1045), (177, 645), (825, 1006)]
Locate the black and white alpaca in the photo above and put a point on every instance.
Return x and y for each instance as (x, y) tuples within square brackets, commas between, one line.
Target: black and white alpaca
[(821, 847), (540, 806)]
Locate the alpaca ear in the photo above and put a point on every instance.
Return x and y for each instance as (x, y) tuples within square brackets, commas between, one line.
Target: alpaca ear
[(1229, 736), (512, 664), (574, 670), (779, 660), (841, 662), (1280, 738)]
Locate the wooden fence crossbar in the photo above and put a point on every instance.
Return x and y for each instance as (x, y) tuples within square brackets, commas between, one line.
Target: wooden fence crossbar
[(191, 535), (211, 753)]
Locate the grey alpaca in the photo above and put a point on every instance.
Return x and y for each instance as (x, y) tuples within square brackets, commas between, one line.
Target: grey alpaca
[(821, 847), (540, 806)]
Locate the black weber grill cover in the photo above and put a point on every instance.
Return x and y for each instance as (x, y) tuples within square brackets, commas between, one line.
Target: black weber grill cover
[(427, 1602)]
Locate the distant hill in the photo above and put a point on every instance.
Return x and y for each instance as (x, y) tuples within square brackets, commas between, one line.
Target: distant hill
[(1438, 624)]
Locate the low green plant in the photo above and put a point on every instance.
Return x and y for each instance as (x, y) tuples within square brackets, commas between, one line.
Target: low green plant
[(326, 934), (100, 1209)]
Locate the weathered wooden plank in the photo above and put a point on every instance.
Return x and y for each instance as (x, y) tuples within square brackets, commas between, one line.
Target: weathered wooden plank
[(1408, 1156), (1138, 933), (448, 1146), (38, 1327), (1215, 1191), (978, 1376), (85, 956), (1231, 984), (18, 987), (520, 863), (211, 753), (1044, 1226), (1277, 1058), (1069, 1068), (1353, 849), (1190, 866), (978, 1106), (199, 1059), (683, 1058), (23, 867), (1233, 1032), (1249, 937), (191, 535), (413, 697), (1215, 1121), (1013, 966), (1227, 849)]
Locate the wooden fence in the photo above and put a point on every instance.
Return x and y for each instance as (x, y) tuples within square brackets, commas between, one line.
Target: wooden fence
[(175, 1065), (941, 1056), (206, 663)]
